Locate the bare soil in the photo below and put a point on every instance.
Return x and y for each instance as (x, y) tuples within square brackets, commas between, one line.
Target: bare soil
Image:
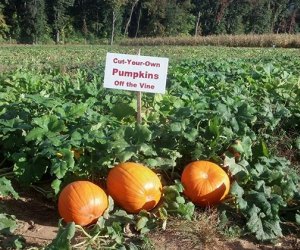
[(38, 219)]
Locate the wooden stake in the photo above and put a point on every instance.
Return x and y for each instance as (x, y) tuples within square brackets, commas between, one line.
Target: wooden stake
[(139, 102)]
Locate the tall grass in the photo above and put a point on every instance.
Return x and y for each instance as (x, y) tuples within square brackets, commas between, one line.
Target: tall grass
[(252, 40)]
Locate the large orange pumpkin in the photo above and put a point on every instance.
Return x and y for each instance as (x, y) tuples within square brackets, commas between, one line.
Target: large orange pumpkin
[(205, 183), (134, 187), (82, 202)]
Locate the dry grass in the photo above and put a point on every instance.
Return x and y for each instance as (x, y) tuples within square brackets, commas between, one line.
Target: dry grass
[(252, 40), (201, 233), (283, 143)]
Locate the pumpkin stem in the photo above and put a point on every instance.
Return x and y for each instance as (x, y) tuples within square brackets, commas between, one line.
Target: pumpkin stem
[(83, 231), (78, 245)]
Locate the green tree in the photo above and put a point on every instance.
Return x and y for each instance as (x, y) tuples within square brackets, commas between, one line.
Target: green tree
[(81, 13), (207, 12), (32, 21), (132, 5), (258, 20), (278, 8), (179, 19), (4, 28), (10, 15), (116, 9), (293, 17), (165, 18), (153, 13), (59, 9), (235, 18)]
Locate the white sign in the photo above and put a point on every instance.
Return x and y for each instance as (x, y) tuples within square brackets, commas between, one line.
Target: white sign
[(136, 73)]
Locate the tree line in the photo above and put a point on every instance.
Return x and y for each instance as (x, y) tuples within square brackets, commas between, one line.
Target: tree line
[(40, 21)]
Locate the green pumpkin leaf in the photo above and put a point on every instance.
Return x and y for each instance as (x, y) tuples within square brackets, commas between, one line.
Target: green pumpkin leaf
[(42, 122), (176, 127), (214, 126), (55, 124), (260, 149), (76, 136), (260, 200), (29, 171), (151, 162), (35, 134), (141, 223), (13, 242), (122, 110), (178, 186), (255, 224), (124, 156), (236, 189), (63, 238), (56, 185), (142, 134), (234, 167), (6, 188), (223, 219), (147, 150), (247, 144), (61, 165), (8, 224), (132, 246), (237, 147), (74, 111), (297, 142), (191, 135), (180, 200), (186, 210), (110, 207), (163, 214), (297, 218)]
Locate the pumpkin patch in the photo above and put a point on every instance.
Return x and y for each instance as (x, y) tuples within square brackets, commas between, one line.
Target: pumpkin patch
[(58, 123)]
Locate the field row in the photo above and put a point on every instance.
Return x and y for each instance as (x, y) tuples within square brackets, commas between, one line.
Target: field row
[(68, 58), (250, 40)]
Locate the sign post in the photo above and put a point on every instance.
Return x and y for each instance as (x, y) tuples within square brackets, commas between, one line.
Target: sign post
[(136, 73), (139, 102), (139, 107)]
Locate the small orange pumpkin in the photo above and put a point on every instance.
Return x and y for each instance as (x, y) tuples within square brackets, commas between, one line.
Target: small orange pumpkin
[(82, 202), (134, 187), (205, 183)]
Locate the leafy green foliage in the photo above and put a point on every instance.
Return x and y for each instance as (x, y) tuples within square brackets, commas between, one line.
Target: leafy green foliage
[(174, 203), (8, 223), (269, 186), (63, 237), (6, 188)]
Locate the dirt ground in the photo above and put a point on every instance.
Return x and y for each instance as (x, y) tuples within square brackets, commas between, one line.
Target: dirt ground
[(38, 218)]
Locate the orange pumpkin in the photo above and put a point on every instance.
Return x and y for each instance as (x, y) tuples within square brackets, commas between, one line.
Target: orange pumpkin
[(205, 183), (134, 187), (82, 202)]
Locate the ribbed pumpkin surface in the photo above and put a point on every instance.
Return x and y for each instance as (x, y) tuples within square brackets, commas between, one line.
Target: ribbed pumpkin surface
[(82, 202), (205, 183), (134, 187)]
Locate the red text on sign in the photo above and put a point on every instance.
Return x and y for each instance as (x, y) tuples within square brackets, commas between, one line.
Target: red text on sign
[(135, 74), (136, 63)]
